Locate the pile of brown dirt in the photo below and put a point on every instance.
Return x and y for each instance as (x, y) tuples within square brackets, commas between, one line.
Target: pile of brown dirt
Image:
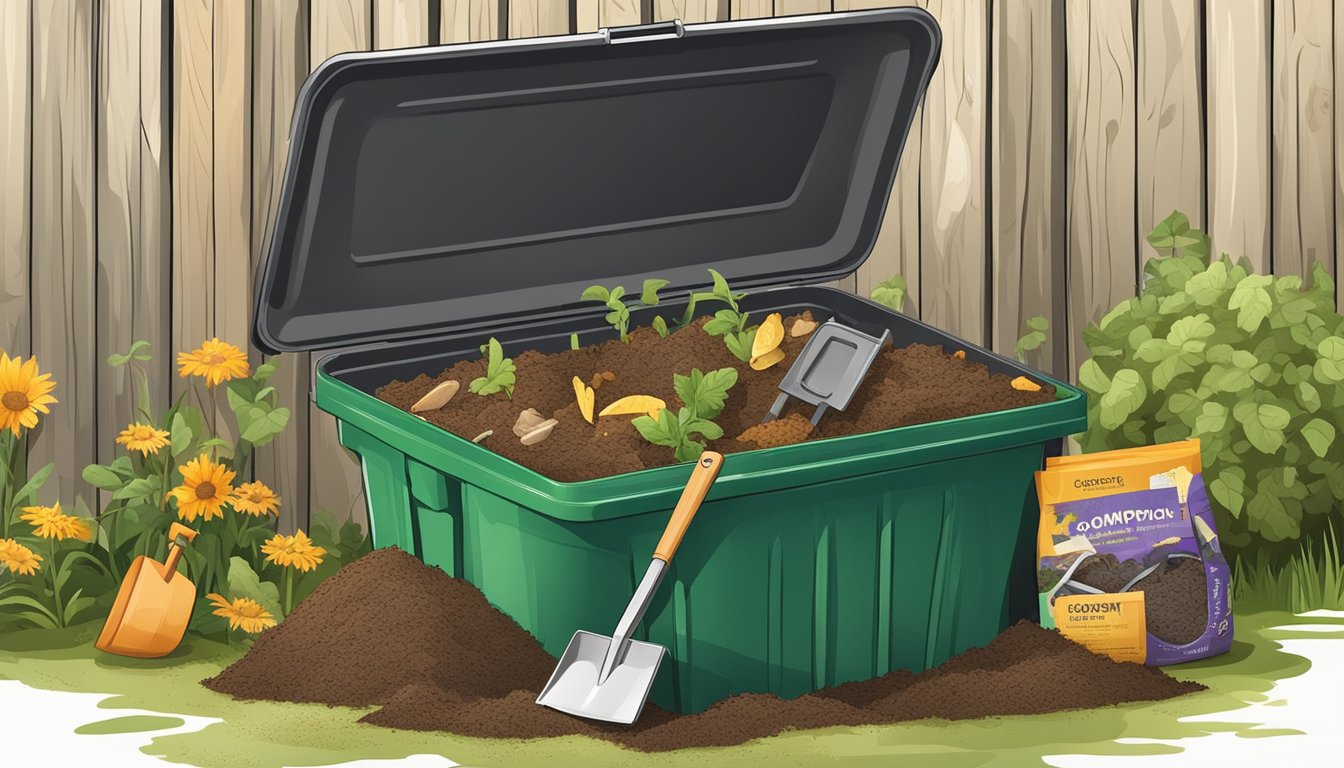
[(910, 385), (388, 630)]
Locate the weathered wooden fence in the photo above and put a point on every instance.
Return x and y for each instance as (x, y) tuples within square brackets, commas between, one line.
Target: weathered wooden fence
[(142, 145)]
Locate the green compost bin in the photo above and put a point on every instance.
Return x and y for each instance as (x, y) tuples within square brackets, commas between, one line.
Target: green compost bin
[(435, 198)]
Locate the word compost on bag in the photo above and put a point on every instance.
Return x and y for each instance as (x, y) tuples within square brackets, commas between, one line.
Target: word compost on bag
[(1128, 560)]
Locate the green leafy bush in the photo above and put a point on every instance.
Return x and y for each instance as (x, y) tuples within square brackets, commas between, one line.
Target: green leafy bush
[(1253, 365), (890, 293)]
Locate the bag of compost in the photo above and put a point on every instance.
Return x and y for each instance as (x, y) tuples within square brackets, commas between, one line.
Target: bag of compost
[(1128, 561)]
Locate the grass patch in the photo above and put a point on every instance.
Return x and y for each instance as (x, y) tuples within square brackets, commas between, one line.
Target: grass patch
[(1312, 579)]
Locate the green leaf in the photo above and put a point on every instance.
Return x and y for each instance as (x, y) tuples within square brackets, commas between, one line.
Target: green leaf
[(1329, 368), (180, 433), (1126, 394), (500, 373), (660, 325), (1165, 234), (1251, 301), (27, 493), (649, 296), (262, 429), (740, 343), (1320, 435), (1308, 397), (595, 293), (1229, 489), (724, 322), (1211, 419), (891, 293), (1093, 378), (721, 290), (140, 488), (266, 370), (573, 341), (101, 477), (704, 394), (1207, 287), (1263, 424), (244, 582), (1189, 333)]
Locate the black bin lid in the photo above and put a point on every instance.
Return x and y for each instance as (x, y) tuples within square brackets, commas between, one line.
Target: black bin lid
[(479, 186)]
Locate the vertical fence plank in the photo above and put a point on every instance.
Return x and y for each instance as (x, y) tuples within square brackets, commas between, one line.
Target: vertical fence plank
[(751, 9), (896, 251), (133, 233), (279, 64), (1338, 28), (231, 193), (63, 239), (537, 18), (1102, 165), (953, 174), (1237, 79), (192, 178), (339, 26), (400, 23), (690, 11), (795, 7), (1303, 124), (463, 21), (335, 483), (1171, 114), (1027, 177), (590, 15), (15, 193)]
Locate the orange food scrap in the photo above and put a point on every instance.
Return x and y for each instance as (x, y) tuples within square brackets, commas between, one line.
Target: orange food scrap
[(768, 336), (586, 397), (633, 405), (960, 354), (1025, 384)]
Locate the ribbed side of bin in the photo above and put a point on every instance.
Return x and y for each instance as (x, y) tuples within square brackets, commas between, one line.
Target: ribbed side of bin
[(782, 592)]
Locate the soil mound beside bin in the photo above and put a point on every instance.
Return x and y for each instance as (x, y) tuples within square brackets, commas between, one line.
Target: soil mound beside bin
[(388, 630), (908, 385)]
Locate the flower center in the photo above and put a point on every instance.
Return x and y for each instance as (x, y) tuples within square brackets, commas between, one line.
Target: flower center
[(215, 358), (14, 400), (144, 433), (256, 498), (205, 491)]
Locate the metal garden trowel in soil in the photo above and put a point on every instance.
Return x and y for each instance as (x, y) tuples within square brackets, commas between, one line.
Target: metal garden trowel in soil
[(608, 678), (153, 605), (829, 369)]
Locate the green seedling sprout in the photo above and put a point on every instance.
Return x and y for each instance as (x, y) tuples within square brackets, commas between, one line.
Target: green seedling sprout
[(704, 396), (573, 341), (890, 293), (619, 316), (729, 323), (500, 373)]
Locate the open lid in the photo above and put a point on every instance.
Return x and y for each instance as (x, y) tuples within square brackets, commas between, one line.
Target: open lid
[(484, 185)]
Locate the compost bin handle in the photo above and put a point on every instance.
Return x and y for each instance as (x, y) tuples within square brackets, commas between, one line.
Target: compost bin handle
[(706, 469)]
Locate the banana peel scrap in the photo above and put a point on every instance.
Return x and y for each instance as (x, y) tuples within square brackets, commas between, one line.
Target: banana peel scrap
[(765, 350), (586, 397), (634, 405)]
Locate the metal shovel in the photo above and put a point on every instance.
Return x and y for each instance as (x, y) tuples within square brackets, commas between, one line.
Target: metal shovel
[(608, 678)]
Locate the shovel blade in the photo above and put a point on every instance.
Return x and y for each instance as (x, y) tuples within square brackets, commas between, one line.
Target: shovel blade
[(573, 687)]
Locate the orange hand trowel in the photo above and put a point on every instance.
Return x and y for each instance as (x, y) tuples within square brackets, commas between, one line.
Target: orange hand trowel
[(153, 605)]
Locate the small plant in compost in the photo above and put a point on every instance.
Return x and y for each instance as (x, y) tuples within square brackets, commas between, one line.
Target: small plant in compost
[(500, 373), (729, 323), (703, 396), (619, 316)]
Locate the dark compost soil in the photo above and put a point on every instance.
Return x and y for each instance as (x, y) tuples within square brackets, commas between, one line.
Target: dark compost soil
[(1176, 607), (429, 650), (910, 385)]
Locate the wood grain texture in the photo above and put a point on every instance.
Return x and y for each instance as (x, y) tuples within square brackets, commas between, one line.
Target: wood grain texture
[(690, 11), (1303, 162), (1027, 160), (464, 21), (1171, 114), (63, 267), (537, 18), (338, 26), (134, 224), (751, 9), (193, 280), (1102, 245), (796, 7), (279, 64), (16, 116), (953, 168), (334, 479), (590, 15), (1237, 78), (401, 23), (896, 251)]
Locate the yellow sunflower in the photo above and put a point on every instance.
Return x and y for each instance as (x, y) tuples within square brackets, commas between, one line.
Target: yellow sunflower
[(143, 438), (18, 558), (255, 499), (243, 613), (23, 392), (297, 551), (52, 523), (215, 361), (204, 490)]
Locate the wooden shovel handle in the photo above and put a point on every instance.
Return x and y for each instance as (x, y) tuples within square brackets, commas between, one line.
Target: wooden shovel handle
[(702, 477)]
